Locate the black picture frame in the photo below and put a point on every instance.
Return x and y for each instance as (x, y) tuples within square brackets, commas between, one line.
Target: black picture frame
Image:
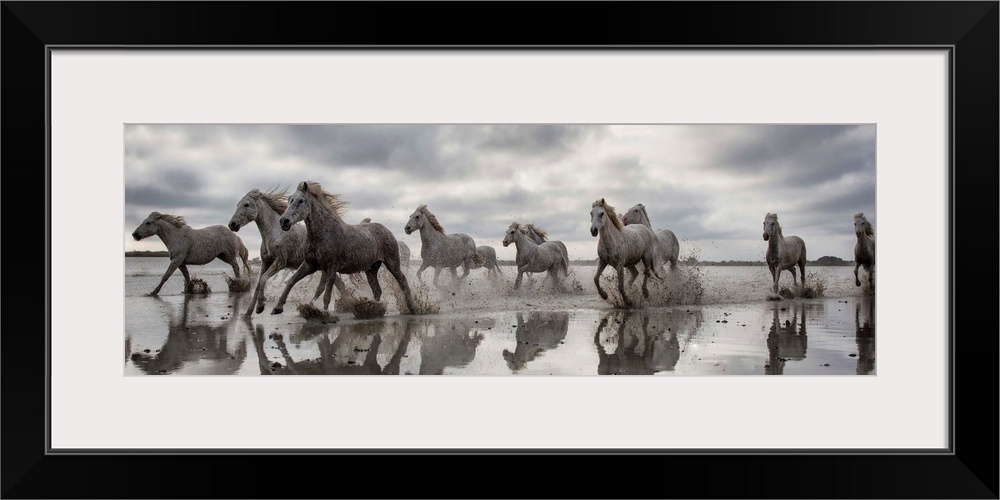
[(969, 29)]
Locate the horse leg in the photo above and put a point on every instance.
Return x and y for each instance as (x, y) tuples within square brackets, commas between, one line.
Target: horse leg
[(776, 272), (372, 274), (871, 277), (174, 264), (184, 271), (857, 281), (465, 270), (802, 269), (305, 269), (334, 281), (437, 272), (267, 270), (397, 272), (454, 276), (597, 278), (634, 272), (520, 273), (645, 278), (795, 280), (620, 269)]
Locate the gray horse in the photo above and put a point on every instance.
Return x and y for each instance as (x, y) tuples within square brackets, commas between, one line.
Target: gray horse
[(440, 250), (622, 247), (532, 257), (187, 245), (486, 256), (666, 240), (783, 252), (335, 246), (279, 249), (864, 250)]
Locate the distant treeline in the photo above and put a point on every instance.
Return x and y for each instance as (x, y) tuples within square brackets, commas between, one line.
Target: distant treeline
[(147, 253)]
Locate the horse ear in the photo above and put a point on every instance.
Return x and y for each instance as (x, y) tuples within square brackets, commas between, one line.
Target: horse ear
[(303, 186), (602, 201)]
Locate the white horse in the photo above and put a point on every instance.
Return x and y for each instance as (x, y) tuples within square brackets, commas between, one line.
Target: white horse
[(486, 256), (783, 252), (622, 247), (864, 250), (335, 246), (666, 240), (535, 258), (440, 250), (192, 246), (278, 249)]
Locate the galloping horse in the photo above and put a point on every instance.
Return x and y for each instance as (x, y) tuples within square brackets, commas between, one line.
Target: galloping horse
[(335, 246), (665, 238), (192, 246), (864, 250), (404, 249), (535, 258), (622, 247), (440, 250), (783, 252), (279, 249)]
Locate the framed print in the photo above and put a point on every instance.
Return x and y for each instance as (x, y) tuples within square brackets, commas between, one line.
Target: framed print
[(704, 204)]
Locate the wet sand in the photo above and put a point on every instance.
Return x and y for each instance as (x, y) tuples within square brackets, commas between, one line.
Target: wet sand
[(487, 328)]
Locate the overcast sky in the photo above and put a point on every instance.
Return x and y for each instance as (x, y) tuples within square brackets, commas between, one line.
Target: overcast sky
[(710, 184)]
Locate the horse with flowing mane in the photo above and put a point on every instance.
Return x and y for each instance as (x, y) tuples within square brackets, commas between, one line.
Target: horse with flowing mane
[(666, 240), (335, 246), (187, 245), (440, 250), (279, 249), (783, 252), (622, 247), (864, 250), (532, 257)]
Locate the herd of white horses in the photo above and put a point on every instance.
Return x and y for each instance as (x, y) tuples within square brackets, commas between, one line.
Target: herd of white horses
[(328, 244)]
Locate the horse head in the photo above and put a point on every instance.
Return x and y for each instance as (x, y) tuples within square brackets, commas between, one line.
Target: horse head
[(862, 226), (601, 211), (511, 235), (770, 225), (633, 215), (246, 211), (298, 207), (149, 226)]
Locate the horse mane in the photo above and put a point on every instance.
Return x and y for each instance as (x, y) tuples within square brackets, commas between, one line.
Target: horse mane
[(869, 230), (539, 231), (611, 213), (430, 218), (523, 228), (175, 220), (338, 206), (275, 199)]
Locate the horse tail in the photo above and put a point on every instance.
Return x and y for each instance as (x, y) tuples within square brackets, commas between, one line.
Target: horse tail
[(245, 255), (565, 262)]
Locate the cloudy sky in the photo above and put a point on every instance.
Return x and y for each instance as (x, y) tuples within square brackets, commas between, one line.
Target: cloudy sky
[(710, 184)]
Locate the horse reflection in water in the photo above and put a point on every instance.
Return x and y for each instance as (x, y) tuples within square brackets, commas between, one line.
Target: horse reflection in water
[(786, 341), (374, 347), (194, 347), (541, 332), (864, 324), (448, 342), (356, 349), (638, 343)]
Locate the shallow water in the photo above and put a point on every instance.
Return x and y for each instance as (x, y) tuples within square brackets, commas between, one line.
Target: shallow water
[(487, 328)]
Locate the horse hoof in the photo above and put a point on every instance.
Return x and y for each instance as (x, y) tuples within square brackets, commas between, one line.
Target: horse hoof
[(277, 310), (260, 309)]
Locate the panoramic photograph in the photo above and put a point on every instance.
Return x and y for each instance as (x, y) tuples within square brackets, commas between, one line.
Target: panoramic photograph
[(499, 249)]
